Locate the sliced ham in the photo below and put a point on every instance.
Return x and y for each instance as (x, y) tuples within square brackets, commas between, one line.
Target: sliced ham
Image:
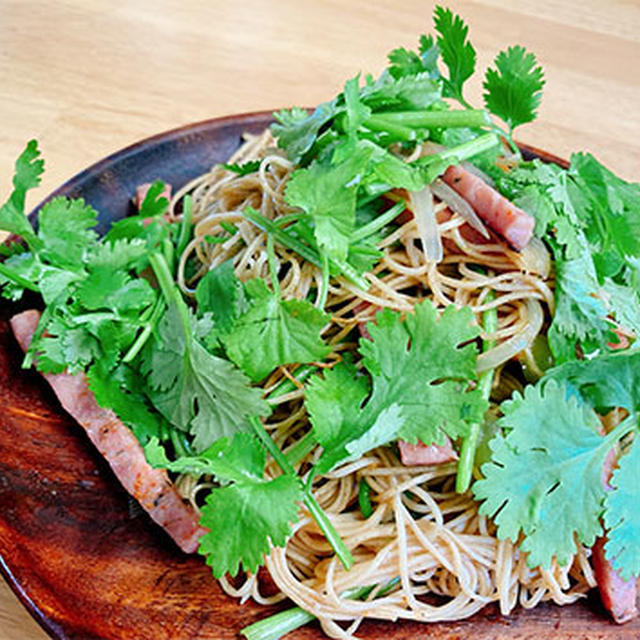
[(412, 455), (618, 596), (513, 224), (415, 455), (151, 487)]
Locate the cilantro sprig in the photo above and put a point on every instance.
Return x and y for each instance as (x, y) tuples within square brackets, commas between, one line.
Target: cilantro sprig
[(195, 390), (553, 433), (513, 90), (456, 51), (257, 329), (248, 511), (420, 369)]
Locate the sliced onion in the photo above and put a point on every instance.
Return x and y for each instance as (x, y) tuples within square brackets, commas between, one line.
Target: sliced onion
[(457, 203), (536, 258), (514, 345), (425, 216)]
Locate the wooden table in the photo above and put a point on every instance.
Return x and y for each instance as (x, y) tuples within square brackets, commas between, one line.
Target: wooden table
[(87, 78)]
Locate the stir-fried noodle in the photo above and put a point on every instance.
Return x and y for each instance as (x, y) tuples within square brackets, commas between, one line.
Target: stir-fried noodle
[(440, 557)]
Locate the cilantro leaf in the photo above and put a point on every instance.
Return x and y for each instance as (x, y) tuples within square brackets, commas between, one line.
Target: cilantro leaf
[(24, 265), (335, 400), (195, 390), (28, 168), (154, 203), (581, 314), (513, 89), (327, 192), (608, 209), (409, 63), (274, 332), (403, 62), (247, 514), (605, 381), (407, 92), (243, 169), (66, 347), (66, 230), (537, 203), (227, 460), (121, 254), (222, 294), (622, 516), (420, 377), (296, 129), (422, 357), (456, 51), (118, 390), (624, 302), (106, 288), (544, 476)]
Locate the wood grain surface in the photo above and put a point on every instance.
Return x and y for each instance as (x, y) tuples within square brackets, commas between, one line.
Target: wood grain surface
[(87, 78)]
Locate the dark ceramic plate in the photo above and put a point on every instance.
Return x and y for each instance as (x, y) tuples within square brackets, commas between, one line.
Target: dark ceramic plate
[(84, 560)]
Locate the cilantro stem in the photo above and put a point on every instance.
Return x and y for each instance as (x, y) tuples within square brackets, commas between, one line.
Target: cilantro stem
[(273, 265), (364, 498), (169, 290), (229, 227), (332, 536), (303, 250), (144, 335), (324, 288), (178, 445), (283, 221), (278, 625), (301, 448), (463, 151), (338, 266), (281, 236), (169, 253), (185, 225), (485, 382), (378, 223), (17, 278), (430, 119), (399, 131)]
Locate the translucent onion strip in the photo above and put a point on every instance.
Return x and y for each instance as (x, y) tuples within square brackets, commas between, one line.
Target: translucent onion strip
[(459, 205), (425, 216), (514, 345), (536, 258)]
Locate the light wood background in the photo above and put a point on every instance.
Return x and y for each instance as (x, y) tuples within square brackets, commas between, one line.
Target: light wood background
[(87, 77)]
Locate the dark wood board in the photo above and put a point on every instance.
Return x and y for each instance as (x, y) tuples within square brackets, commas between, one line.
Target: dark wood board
[(81, 557)]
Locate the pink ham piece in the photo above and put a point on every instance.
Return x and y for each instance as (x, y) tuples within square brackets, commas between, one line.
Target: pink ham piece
[(513, 224), (419, 454), (415, 455), (151, 487), (618, 596)]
